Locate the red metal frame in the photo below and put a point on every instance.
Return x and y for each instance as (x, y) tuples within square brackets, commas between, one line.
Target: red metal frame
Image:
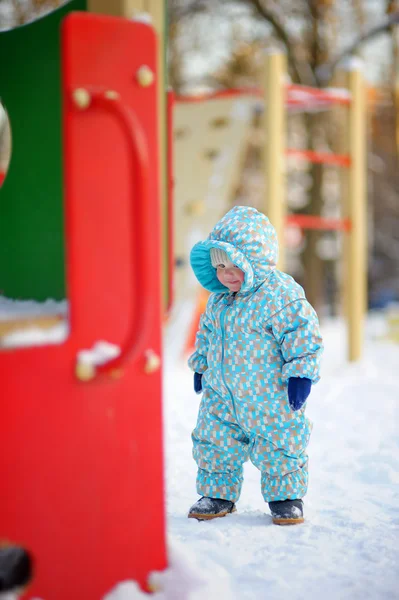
[(298, 96), (220, 95), (82, 463), (322, 223), (327, 158), (321, 96)]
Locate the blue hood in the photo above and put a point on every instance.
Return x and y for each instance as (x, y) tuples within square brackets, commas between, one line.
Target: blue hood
[(250, 241)]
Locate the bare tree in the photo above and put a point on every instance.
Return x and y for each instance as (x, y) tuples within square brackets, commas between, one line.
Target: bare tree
[(305, 30), (20, 12), (313, 33)]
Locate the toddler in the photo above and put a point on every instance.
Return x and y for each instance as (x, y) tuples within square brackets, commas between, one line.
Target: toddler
[(257, 354)]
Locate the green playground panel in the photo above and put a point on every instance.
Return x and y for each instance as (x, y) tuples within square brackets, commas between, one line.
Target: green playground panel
[(32, 262)]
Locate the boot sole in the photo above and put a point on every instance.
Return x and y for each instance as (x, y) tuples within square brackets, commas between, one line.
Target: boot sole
[(288, 521), (201, 517)]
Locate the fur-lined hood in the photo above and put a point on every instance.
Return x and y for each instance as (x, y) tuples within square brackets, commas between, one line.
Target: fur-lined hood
[(250, 241)]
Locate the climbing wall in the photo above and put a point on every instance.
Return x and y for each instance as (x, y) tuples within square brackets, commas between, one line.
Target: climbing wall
[(209, 146)]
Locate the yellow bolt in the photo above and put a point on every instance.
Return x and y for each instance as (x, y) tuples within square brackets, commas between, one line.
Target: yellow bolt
[(81, 98), (152, 363), (154, 587), (195, 208), (84, 371), (116, 373), (145, 76), (111, 95)]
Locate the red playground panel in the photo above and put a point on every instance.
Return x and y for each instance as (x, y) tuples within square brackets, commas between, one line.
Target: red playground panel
[(81, 448)]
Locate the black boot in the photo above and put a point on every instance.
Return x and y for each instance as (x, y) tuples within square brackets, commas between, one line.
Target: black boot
[(210, 508), (287, 512)]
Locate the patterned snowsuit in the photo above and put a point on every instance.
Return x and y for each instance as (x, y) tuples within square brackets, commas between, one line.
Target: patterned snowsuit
[(248, 345)]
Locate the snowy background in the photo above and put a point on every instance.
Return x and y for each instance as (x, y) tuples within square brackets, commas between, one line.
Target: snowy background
[(348, 546), (347, 549)]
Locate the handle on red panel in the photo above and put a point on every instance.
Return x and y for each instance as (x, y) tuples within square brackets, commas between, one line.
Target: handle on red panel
[(137, 337)]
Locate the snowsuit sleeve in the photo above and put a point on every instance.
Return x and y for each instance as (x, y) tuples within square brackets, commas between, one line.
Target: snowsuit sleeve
[(296, 329), (198, 360)]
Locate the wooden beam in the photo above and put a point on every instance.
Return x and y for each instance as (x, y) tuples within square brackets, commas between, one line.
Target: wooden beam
[(274, 149)]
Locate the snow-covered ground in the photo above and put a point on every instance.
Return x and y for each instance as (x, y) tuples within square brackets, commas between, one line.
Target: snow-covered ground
[(348, 547)]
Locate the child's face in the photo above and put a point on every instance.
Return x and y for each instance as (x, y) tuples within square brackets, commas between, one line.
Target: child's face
[(230, 276)]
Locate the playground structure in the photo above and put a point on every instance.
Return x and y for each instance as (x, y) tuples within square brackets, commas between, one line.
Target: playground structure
[(113, 232), (207, 146), (82, 477), (196, 143)]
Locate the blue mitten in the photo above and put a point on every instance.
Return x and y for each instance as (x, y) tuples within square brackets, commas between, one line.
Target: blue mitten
[(197, 383), (298, 391)]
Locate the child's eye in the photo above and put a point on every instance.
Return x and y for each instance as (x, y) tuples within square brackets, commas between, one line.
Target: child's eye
[(221, 266)]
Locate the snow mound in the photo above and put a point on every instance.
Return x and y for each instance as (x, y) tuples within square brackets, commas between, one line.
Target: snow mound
[(101, 353), (185, 579)]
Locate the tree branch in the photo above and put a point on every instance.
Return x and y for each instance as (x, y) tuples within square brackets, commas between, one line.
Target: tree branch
[(325, 72), (281, 33), (180, 12), (301, 73)]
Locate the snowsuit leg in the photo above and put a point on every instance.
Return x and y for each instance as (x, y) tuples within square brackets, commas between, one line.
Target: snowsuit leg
[(220, 449), (282, 460)]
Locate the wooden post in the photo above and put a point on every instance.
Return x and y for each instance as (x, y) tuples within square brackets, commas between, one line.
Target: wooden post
[(355, 255), (117, 8), (157, 11), (397, 113), (274, 149)]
